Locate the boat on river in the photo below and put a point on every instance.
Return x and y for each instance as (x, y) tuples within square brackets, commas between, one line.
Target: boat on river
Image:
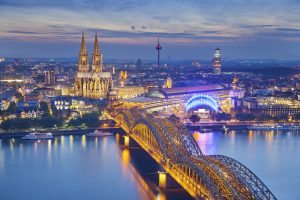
[(98, 133), (38, 136)]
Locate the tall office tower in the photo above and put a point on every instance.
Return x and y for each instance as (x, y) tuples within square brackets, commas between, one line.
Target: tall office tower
[(50, 77), (216, 62), (158, 48)]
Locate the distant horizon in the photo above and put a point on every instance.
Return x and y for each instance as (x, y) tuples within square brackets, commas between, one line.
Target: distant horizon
[(226, 59)]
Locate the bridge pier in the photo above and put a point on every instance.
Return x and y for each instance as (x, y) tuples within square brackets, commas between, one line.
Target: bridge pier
[(165, 181), (126, 140), (129, 142)]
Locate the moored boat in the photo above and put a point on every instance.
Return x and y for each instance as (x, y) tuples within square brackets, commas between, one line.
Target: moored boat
[(38, 136), (98, 133)]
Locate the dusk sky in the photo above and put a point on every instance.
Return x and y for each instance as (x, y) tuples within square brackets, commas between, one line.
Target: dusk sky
[(189, 29)]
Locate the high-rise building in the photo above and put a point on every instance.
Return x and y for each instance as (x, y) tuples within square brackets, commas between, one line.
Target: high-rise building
[(216, 62), (91, 82), (50, 77)]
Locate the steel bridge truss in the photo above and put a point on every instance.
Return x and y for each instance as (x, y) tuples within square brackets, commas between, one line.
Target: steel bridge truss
[(204, 177)]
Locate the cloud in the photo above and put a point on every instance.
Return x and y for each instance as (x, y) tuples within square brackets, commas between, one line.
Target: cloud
[(191, 22)]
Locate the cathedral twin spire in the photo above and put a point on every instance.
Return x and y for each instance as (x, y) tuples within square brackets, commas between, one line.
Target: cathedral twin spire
[(83, 65)]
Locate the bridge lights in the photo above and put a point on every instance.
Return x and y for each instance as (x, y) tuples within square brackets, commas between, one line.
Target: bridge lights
[(162, 179), (126, 140)]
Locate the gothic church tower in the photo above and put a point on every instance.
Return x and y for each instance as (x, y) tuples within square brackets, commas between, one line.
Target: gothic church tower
[(96, 57), (83, 65), (91, 82)]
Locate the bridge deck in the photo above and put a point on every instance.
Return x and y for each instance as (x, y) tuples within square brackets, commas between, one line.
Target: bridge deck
[(174, 148)]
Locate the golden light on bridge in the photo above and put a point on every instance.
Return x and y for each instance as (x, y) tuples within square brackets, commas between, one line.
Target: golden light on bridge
[(162, 179), (126, 140)]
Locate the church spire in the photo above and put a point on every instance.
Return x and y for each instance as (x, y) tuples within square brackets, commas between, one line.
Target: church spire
[(97, 57), (96, 44), (83, 57), (83, 46)]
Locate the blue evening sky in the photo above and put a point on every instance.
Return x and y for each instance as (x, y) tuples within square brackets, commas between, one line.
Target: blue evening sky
[(189, 29)]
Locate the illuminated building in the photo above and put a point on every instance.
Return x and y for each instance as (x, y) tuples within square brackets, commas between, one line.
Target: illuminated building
[(33, 114), (216, 62), (273, 106), (128, 92), (168, 83), (113, 70), (2, 59), (236, 94), (4, 103), (169, 101), (91, 83), (122, 78), (50, 78), (47, 91), (186, 92), (73, 105)]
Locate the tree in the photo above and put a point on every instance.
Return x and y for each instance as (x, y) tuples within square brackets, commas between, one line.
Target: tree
[(281, 117), (46, 115), (16, 124), (296, 116), (194, 118), (50, 122), (12, 108), (264, 117), (101, 104), (76, 122), (245, 116), (19, 96), (174, 118), (222, 116), (155, 113), (44, 107), (91, 119), (7, 124)]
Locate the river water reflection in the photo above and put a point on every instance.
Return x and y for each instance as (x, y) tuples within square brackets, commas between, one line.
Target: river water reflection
[(273, 156), (77, 167)]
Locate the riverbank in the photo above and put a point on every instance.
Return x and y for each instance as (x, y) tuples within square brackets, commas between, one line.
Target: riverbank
[(58, 132), (243, 126)]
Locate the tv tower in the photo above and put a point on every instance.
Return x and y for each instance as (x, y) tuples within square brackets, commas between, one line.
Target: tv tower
[(216, 62), (158, 48)]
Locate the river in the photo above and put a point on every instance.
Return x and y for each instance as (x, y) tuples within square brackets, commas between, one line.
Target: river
[(78, 167)]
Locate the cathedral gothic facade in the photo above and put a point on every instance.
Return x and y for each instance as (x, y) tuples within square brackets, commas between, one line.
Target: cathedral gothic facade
[(90, 81)]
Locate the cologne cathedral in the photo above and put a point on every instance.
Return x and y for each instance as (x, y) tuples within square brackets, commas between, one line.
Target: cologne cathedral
[(90, 81)]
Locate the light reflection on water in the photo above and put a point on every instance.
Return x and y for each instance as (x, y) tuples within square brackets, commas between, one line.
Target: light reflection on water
[(273, 156), (75, 167)]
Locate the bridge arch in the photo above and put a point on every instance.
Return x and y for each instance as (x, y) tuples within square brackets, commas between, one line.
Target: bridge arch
[(202, 100), (153, 135), (204, 177)]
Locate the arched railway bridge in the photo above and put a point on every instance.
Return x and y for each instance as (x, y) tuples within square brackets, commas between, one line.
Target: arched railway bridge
[(174, 148)]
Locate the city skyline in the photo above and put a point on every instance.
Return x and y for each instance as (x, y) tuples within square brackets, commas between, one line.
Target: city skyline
[(252, 29)]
